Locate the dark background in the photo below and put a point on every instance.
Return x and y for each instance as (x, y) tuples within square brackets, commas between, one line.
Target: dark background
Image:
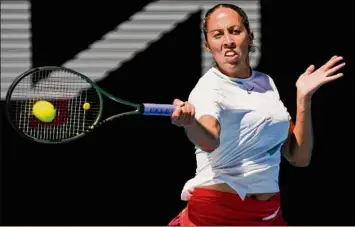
[(131, 171)]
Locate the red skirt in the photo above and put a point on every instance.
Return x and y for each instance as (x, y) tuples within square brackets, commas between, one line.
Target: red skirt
[(208, 207)]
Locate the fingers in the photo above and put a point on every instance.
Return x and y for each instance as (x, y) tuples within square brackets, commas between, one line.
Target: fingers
[(337, 76), (310, 69), (335, 69), (177, 113), (175, 117), (188, 112), (178, 102), (331, 62), (184, 113)]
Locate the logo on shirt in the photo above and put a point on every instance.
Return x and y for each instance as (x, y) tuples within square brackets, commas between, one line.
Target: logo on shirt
[(250, 90)]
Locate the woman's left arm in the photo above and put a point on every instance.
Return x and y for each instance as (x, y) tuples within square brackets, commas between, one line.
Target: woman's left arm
[(299, 145)]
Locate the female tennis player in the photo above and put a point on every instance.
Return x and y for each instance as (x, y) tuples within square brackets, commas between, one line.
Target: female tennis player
[(240, 127)]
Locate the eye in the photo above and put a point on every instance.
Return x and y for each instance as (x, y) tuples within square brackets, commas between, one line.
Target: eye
[(216, 36), (236, 32)]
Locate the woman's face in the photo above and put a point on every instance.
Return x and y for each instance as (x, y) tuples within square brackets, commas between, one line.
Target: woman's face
[(227, 39)]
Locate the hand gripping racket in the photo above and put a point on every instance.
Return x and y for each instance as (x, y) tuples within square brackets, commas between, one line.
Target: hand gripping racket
[(75, 99)]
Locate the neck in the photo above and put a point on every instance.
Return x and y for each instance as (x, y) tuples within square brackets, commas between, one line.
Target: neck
[(234, 71)]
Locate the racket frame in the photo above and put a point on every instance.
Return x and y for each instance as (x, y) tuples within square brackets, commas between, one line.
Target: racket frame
[(141, 108), (100, 92)]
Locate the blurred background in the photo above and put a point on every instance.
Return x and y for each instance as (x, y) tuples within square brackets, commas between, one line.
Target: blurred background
[(131, 171)]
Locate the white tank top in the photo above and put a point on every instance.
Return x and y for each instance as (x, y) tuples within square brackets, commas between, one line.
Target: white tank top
[(254, 125)]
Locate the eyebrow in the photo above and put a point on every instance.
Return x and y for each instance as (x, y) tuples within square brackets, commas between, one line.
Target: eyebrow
[(219, 29)]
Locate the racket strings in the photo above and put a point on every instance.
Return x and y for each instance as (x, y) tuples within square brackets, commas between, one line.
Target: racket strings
[(67, 92)]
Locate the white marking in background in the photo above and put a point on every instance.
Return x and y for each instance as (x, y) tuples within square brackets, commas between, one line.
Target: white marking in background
[(15, 41), (117, 46)]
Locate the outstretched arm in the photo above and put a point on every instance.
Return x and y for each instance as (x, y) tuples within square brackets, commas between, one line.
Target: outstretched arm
[(299, 145)]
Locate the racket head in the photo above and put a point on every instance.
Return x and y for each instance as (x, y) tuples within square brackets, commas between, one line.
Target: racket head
[(67, 90)]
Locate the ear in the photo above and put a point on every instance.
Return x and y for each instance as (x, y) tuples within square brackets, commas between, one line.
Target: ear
[(207, 47)]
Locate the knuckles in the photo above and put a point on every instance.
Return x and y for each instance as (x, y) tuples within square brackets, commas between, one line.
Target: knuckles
[(183, 114)]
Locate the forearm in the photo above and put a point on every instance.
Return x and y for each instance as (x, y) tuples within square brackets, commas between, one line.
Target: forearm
[(302, 144), (205, 138)]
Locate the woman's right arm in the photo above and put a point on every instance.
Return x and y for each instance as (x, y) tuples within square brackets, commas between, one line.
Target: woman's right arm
[(204, 132)]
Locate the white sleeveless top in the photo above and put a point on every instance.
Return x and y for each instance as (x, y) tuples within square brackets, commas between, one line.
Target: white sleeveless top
[(254, 125)]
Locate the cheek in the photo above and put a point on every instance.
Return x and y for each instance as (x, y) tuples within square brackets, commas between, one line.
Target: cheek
[(217, 53), (242, 42), (216, 47), (245, 45)]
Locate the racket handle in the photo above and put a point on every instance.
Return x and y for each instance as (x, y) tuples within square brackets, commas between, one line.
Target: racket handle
[(157, 109)]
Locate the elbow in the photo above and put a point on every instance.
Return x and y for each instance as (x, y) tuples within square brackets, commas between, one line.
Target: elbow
[(211, 146), (301, 161), (299, 157), (209, 149)]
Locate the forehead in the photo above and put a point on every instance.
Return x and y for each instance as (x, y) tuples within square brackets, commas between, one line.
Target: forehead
[(224, 17)]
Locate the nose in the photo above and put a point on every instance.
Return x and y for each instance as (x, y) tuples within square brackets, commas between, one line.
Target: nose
[(228, 41)]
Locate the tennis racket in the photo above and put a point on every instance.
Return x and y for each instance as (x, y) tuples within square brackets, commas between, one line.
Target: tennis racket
[(77, 101)]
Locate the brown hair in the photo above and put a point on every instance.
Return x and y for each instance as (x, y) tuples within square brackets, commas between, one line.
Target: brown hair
[(237, 9)]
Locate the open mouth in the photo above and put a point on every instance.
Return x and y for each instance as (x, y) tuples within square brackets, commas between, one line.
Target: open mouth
[(230, 53)]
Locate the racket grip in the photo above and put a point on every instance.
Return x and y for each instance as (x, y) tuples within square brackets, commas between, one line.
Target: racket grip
[(158, 109)]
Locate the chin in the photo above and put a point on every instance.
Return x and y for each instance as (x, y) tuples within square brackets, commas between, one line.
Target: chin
[(233, 64)]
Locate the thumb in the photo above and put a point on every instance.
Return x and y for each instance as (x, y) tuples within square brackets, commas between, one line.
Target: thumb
[(309, 70), (178, 102)]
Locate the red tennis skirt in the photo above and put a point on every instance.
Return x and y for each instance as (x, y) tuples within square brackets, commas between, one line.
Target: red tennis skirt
[(208, 207)]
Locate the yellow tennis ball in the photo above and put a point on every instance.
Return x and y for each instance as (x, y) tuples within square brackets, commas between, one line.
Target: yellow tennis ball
[(86, 106), (44, 111)]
